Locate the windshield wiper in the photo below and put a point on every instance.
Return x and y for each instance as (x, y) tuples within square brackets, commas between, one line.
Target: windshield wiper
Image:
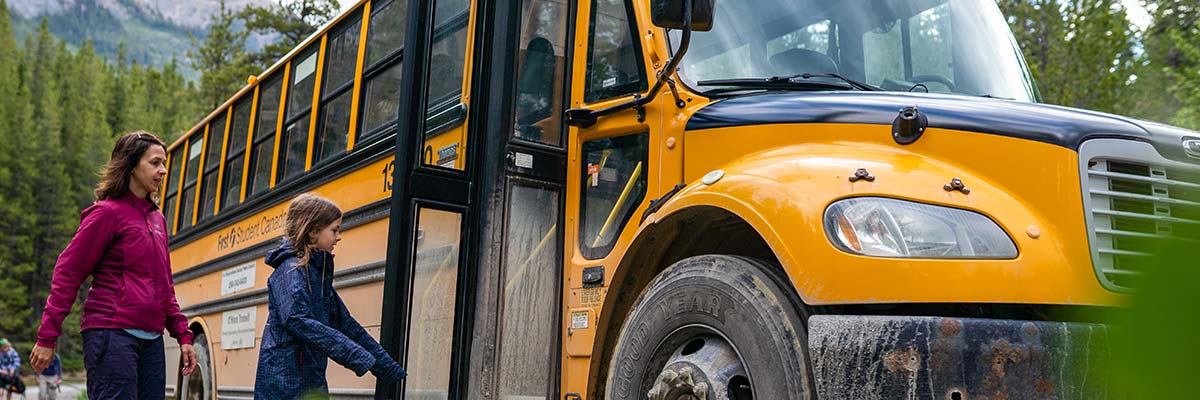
[(808, 75), (799, 81)]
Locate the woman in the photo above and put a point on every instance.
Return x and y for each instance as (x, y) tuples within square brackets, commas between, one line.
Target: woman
[(122, 244)]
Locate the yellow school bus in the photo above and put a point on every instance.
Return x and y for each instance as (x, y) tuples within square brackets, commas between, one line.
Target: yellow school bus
[(672, 199)]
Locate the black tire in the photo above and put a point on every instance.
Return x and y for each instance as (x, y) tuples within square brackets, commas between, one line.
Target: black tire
[(746, 302), (198, 385)]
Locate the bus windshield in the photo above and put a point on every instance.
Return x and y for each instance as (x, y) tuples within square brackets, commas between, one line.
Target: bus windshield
[(940, 46)]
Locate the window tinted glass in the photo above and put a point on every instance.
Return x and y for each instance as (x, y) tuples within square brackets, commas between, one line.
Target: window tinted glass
[(614, 183), (341, 57), (260, 166), (195, 148), (234, 164), (268, 108), (335, 121), (292, 163), (216, 138), (540, 61), (173, 187), (447, 58), (386, 32), (304, 75), (212, 160), (264, 137), (614, 65), (382, 101)]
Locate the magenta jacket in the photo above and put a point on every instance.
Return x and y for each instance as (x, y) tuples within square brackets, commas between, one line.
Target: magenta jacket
[(122, 244)]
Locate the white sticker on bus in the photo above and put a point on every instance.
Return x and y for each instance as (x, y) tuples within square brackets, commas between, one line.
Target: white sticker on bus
[(579, 320), (237, 278), (237, 328)]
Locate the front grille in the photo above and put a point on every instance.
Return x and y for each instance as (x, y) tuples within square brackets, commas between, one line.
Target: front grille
[(1135, 201)]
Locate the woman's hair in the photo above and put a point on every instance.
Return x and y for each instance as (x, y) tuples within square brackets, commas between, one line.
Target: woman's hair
[(307, 215), (114, 179)]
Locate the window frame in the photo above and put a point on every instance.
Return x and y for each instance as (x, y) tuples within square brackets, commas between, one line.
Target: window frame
[(171, 199), (187, 219), (641, 85), (603, 251), (328, 95), (230, 153), (253, 145), (282, 150), (217, 169)]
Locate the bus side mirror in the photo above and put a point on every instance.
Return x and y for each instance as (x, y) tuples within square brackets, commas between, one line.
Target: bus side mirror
[(669, 14)]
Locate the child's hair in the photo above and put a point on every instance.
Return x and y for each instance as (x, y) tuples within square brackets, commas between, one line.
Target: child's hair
[(307, 215)]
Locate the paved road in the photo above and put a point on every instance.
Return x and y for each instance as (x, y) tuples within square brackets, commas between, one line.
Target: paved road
[(69, 391)]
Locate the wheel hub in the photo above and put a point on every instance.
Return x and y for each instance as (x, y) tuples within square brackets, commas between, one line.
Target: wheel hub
[(703, 368)]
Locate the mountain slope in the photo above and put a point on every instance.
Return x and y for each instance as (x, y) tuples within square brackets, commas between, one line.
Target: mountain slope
[(153, 31)]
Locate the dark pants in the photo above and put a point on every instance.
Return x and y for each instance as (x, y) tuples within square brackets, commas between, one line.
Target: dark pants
[(120, 366)]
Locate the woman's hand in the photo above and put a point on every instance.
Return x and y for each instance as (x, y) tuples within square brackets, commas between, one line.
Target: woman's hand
[(188, 356), (40, 357)]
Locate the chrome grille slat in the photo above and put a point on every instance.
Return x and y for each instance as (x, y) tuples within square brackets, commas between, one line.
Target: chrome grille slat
[(1134, 198), (1120, 233), (1145, 179), (1156, 199), (1157, 218)]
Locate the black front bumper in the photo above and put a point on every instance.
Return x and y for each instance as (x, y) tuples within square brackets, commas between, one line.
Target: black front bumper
[(897, 357)]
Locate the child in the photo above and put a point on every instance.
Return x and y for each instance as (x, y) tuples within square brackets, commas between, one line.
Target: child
[(307, 320), (10, 363)]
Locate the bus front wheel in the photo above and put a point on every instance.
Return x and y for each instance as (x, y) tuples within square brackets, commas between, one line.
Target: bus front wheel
[(713, 327)]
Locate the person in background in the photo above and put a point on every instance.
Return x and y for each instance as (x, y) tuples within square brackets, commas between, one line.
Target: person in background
[(307, 322), (49, 380), (121, 245), (10, 362)]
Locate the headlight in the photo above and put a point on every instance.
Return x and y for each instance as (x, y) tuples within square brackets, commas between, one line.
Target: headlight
[(883, 227)]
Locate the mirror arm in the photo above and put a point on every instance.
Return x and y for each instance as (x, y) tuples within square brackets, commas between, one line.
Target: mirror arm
[(583, 117)]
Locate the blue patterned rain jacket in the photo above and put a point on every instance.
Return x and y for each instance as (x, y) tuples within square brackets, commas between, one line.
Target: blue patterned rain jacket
[(308, 324)]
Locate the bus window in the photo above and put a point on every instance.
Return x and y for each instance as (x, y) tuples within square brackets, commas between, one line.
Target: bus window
[(263, 146), (614, 65), (541, 57), (434, 289), (381, 73), (212, 160), (528, 343), (194, 148), (173, 177), (294, 143), (614, 183), (444, 146), (340, 61), (235, 159)]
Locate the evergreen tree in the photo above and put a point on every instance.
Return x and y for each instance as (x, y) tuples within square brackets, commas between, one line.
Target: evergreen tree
[(1173, 62), (222, 59), (1080, 51), (293, 21)]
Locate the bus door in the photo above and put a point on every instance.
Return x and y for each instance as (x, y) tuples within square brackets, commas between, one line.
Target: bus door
[(612, 170), (426, 306), (518, 314)]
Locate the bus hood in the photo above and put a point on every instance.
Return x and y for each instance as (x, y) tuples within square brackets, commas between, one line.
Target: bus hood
[(1062, 126)]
